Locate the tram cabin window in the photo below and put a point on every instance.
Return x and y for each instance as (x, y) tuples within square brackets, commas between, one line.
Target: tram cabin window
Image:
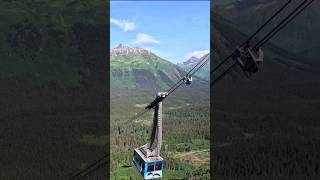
[(158, 166), (150, 167)]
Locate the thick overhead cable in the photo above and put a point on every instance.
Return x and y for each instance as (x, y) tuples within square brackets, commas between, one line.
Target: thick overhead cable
[(282, 22), (254, 34), (194, 67), (203, 63), (191, 72), (300, 8), (223, 74), (284, 25), (221, 63), (267, 22), (175, 87)]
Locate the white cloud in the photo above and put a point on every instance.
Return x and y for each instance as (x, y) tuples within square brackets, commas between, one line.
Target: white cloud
[(142, 38), (125, 25), (197, 54)]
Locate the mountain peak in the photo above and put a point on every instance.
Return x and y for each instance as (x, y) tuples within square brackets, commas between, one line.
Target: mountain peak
[(123, 50), (194, 60), (191, 60), (122, 46)]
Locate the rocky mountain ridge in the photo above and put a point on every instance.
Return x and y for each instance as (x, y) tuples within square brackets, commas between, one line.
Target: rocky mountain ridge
[(122, 50)]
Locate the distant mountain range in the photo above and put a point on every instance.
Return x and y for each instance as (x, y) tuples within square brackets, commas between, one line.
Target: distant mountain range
[(138, 68), (203, 73)]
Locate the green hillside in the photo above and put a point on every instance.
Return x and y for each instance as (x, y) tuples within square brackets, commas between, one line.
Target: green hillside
[(142, 71)]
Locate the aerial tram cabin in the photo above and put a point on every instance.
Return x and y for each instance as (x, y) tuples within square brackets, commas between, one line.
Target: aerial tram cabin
[(149, 168), (187, 80), (249, 59)]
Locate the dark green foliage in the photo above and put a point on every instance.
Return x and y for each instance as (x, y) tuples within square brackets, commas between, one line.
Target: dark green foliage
[(53, 93), (24, 39), (185, 123), (265, 159)]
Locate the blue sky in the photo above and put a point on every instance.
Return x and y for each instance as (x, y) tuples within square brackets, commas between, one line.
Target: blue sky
[(174, 30)]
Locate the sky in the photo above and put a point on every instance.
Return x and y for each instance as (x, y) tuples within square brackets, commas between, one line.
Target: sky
[(174, 30)]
